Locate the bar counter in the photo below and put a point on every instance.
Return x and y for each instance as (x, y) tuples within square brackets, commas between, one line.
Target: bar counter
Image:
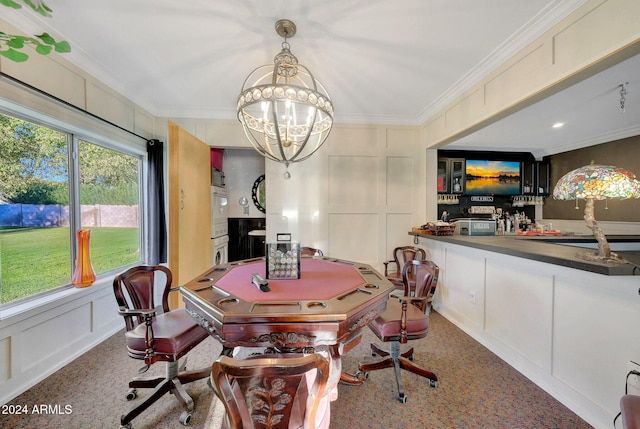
[(550, 249), (567, 324)]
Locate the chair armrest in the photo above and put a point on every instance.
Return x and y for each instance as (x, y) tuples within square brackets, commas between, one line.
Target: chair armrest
[(149, 341), (143, 312), (386, 266), (412, 299)]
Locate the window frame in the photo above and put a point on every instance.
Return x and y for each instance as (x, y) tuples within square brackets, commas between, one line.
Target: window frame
[(91, 132)]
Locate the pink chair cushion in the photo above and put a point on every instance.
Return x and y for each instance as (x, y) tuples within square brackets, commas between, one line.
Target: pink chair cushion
[(630, 408), (387, 325), (175, 333)]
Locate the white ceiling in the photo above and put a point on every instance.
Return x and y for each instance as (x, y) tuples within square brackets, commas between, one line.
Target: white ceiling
[(590, 111), (381, 61)]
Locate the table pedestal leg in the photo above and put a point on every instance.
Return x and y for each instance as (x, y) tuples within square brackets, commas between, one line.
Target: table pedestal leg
[(345, 377)]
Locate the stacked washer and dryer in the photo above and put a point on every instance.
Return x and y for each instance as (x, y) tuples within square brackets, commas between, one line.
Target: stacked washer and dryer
[(219, 225)]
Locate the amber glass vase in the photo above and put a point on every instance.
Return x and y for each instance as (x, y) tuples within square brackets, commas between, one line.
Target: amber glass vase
[(83, 274)]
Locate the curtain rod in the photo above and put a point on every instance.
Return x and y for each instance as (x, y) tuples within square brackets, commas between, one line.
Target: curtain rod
[(66, 103)]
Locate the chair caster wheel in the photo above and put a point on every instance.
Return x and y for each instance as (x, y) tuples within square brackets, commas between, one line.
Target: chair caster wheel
[(132, 394), (362, 375), (374, 354), (126, 427), (185, 418), (433, 383), (402, 399)]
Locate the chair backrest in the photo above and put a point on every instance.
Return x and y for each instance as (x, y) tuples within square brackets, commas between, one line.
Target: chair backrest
[(134, 290), (271, 392), (425, 273), (310, 251), (401, 255)]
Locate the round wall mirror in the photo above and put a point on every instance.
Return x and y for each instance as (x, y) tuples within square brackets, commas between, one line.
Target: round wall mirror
[(259, 195)]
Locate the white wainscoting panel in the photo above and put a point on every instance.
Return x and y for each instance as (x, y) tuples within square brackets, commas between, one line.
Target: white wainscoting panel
[(595, 334), (460, 285), (353, 180), (518, 299), (400, 186), (353, 236)]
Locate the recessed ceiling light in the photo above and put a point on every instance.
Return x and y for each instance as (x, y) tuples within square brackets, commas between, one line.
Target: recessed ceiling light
[(558, 125)]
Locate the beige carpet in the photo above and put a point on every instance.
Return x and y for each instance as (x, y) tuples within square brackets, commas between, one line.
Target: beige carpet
[(476, 390)]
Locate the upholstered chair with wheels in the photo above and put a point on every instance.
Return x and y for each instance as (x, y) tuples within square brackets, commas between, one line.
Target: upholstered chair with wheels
[(406, 318), (274, 391), (310, 251), (392, 268), (157, 335)]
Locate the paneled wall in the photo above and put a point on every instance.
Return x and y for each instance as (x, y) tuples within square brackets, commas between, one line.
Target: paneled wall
[(356, 198), (565, 329)]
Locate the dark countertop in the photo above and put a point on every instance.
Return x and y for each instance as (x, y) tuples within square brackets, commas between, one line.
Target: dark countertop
[(550, 249)]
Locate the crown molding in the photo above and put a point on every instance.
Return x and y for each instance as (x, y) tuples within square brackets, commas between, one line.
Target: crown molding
[(536, 27)]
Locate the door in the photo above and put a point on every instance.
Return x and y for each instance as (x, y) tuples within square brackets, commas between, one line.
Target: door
[(189, 208)]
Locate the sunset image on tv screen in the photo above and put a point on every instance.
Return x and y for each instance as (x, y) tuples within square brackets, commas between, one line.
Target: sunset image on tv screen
[(492, 177)]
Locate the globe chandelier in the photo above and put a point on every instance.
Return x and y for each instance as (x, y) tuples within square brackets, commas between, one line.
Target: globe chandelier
[(285, 112)]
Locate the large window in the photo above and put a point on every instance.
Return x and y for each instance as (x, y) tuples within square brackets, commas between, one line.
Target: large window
[(51, 184)]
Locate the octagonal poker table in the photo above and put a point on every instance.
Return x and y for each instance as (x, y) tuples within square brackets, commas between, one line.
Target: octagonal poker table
[(329, 305)]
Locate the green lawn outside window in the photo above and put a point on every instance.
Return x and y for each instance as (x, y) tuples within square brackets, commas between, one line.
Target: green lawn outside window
[(36, 260)]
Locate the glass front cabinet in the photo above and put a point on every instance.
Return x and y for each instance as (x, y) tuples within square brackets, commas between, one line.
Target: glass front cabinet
[(450, 175), (536, 178)]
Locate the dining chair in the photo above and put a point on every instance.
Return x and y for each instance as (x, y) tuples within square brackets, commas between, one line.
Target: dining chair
[(157, 335), (393, 267), (310, 251), (273, 391), (405, 318)]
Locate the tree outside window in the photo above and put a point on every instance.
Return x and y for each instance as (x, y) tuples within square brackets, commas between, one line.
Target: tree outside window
[(38, 207)]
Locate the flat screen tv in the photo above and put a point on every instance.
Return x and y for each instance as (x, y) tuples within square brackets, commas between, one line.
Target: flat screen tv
[(484, 177)]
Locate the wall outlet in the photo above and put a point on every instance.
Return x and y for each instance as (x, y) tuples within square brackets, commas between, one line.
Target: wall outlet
[(472, 297), (633, 381)]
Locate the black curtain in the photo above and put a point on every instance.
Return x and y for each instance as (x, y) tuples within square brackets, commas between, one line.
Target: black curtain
[(156, 219)]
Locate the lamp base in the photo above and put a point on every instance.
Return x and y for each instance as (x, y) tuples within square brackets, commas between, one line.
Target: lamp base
[(613, 258)]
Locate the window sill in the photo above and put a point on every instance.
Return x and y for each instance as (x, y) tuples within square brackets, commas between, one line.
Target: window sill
[(12, 314)]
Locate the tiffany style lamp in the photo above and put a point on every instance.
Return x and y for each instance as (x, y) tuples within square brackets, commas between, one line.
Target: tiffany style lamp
[(597, 182)]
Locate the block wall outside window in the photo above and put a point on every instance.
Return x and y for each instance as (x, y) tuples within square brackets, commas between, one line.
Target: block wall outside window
[(46, 194)]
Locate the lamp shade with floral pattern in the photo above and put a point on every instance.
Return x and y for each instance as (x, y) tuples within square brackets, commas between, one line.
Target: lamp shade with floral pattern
[(597, 182)]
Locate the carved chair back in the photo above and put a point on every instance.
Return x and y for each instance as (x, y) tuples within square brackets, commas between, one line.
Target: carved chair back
[(134, 290), (310, 251), (401, 255), (279, 392), (425, 273)]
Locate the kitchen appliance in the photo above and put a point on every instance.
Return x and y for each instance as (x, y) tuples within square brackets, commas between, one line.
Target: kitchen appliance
[(219, 225), (475, 227), (220, 250), (217, 177)]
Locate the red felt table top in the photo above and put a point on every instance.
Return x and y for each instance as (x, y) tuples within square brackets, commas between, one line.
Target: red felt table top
[(319, 280)]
